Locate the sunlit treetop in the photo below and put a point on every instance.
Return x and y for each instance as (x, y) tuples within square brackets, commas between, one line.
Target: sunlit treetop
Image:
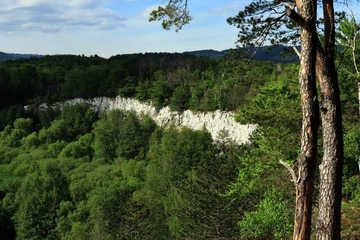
[(260, 22), (175, 13)]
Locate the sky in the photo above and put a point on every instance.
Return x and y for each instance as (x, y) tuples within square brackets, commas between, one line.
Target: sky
[(110, 27)]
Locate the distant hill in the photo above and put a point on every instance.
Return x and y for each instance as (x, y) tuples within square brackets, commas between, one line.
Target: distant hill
[(13, 56), (210, 53), (5, 56), (278, 54)]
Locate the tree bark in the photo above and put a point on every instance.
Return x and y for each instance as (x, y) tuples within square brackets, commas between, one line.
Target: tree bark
[(328, 222), (307, 158), (304, 186), (331, 168)]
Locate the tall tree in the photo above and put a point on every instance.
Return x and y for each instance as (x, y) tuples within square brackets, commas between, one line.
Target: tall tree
[(262, 20)]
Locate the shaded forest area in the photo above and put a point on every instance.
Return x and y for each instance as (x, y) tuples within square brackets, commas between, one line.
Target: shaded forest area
[(181, 81), (71, 174)]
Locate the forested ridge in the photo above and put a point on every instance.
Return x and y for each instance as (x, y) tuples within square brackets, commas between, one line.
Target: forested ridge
[(179, 80), (72, 174)]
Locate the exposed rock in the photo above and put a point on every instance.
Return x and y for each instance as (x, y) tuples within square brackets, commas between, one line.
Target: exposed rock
[(221, 125)]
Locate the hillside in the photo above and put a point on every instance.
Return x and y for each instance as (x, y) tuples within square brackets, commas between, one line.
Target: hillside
[(221, 125), (278, 54), (144, 165), (14, 56), (5, 56), (180, 81)]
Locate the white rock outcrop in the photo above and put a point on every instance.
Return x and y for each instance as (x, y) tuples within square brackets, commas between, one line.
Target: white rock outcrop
[(221, 125)]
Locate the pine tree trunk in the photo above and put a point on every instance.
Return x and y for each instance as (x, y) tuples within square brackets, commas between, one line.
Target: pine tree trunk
[(331, 167), (310, 123), (307, 157), (328, 221)]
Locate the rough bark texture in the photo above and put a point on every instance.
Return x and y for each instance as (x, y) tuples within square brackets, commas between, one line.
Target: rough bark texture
[(331, 167), (304, 187), (328, 221), (307, 159)]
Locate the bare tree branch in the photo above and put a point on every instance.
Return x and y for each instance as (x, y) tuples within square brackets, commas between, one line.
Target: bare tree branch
[(289, 168)]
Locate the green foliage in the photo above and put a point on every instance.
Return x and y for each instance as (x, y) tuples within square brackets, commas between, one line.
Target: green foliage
[(271, 220), (173, 14), (277, 101), (78, 149), (74, 121), (201, 99), (46, 116), (347, 32), (70, 175), (351, 182), (348, 63), (31, 141), (125, 176), (256, 24), (122, 135), (133, 140), (179, 99), (12, 137), (276, 108), (185, 178), (352, 150), (37, 202), (24, 125), (128, 88), (5, 173), (178, 80), (56, 131), (7, 154), (78, 119), (13, 113), (351, 189), (106, 135), (142, 91), (100, 196), (54, 149), (160, 92)]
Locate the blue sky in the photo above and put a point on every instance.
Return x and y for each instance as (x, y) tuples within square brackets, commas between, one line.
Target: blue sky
[(110, 27)]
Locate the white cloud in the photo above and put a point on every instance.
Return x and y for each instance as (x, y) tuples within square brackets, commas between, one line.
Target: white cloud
[(57, 15), (77, 27), (145, 13), (226, 9)]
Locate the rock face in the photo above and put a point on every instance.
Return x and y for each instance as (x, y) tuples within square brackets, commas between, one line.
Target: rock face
[(221, 125)]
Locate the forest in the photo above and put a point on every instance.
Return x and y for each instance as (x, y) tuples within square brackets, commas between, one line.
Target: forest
[(71, 173)]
